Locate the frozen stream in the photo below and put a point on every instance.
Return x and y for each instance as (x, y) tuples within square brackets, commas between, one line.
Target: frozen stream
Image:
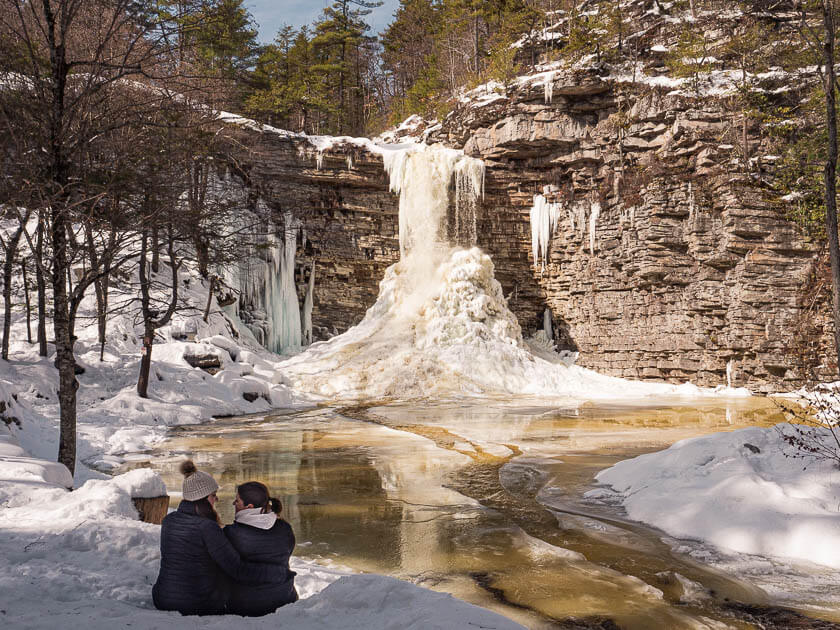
[(486, 502)]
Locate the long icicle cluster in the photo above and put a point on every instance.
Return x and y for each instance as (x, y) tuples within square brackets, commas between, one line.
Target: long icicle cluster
[(544, 218)]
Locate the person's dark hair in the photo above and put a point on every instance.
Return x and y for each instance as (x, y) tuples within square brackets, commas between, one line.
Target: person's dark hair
[(256, 494), (204, 509)]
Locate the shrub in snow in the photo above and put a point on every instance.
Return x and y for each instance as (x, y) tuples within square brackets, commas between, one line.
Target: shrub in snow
[(813, 431)]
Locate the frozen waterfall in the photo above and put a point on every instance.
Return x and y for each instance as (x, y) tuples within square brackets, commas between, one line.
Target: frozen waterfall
[(307, 306), (421, 175), (265, 279), (282, 298), (441, 325)]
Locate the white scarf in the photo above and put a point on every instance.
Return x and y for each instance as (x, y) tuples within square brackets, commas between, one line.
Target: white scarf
[(255, 518)]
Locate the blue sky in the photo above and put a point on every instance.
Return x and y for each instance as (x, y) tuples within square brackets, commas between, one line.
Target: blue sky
[(271, 14)]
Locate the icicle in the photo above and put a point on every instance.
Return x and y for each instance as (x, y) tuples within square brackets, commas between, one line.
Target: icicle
[(350, 162), (581, 218), (307, 307), (319, 161), (729, 367), (548, 328), (594, 212), (549, 88), (544, 217), (690, 201)]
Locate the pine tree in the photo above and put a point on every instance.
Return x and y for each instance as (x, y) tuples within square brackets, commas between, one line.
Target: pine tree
[(340, 44), (224, 40)]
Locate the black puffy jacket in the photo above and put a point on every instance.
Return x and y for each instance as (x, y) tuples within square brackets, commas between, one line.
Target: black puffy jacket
[(196, 559), (271, 546)]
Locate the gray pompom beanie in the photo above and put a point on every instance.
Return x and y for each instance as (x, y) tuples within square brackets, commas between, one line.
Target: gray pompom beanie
[(197, 484)]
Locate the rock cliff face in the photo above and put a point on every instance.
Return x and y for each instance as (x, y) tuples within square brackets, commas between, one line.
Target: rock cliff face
[(668, 261), (349, 217)]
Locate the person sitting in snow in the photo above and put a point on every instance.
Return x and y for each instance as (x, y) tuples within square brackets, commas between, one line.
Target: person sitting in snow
[(196, 559), (260, 535)]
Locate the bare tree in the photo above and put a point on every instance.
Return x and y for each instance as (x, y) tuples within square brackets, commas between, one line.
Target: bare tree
[(150, 308), (74, 61), (10, 247), (818, 30)]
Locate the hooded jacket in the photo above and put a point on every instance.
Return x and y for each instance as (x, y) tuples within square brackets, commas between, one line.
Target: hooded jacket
[(196, 564), (273, 546)]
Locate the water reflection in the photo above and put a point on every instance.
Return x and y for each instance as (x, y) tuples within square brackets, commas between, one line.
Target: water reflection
[(454, 497)]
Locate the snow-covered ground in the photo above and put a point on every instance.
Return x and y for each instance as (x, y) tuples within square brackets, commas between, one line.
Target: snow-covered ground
[(82, 559), (747, 491)]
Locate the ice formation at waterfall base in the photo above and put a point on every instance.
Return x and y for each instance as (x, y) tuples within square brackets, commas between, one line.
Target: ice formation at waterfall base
[(450, 336)]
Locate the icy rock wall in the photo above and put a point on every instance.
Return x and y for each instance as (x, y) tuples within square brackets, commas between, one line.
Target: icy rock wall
[(349, 217), (673, 264), (682, 274)]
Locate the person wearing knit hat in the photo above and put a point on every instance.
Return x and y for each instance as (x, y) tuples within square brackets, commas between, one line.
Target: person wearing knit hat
[(197, 561), (197, 484)]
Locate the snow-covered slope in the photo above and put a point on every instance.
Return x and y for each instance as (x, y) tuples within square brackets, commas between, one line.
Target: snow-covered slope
[(746, 491)]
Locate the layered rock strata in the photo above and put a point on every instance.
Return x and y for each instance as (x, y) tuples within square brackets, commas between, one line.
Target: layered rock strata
[(669, 261)]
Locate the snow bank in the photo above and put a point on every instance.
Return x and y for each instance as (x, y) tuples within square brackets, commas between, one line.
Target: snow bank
[(744, 491), (141, 483), (387, 603)]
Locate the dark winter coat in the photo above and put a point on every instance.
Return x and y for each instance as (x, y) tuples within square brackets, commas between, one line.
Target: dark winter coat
[(272, 546), (196, 559)]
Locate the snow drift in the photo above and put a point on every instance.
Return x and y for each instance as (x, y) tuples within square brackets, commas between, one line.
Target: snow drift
[(746, 491)]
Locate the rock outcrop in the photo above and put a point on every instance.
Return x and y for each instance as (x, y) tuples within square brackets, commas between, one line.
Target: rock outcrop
[(669, 261)]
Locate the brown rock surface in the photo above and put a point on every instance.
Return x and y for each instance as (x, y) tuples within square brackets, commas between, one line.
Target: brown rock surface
[(692, 267)]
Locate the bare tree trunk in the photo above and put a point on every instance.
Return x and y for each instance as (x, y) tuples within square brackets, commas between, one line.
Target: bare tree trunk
[(8, 265), (213, 280), (59, 224), (148, 328), (831, 166), (102, 322), (155, 249), (145, 362), (65, 361), (41, 284), (475, 44), (27, 302), (151, 322), (100, 284)]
